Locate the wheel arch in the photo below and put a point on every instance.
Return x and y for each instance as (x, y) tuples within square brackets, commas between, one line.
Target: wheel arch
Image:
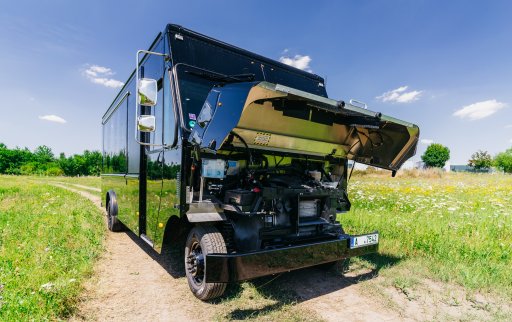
[(176, 227)]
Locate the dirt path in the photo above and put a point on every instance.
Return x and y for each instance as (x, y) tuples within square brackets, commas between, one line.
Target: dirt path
[(128, 284), (86, 187), (133, 283)]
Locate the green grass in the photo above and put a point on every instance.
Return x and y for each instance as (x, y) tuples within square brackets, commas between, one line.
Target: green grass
[(49, 239), (456, 228)]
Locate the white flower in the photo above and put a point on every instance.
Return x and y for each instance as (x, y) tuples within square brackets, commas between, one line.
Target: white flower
[(48, 286)]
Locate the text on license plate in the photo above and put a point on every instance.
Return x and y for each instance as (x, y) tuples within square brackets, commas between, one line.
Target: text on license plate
[(365, 240)]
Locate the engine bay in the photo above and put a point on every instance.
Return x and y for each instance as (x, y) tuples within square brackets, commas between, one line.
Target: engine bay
[(272, 200)]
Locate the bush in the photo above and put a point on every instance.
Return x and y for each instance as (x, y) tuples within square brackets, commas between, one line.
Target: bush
[(28, 168), (480, 160), (54, 171)]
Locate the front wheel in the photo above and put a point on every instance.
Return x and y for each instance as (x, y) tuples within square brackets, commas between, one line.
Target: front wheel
[(203, 240)]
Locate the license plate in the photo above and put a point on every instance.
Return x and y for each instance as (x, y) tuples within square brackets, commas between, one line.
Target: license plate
[(365, 240)]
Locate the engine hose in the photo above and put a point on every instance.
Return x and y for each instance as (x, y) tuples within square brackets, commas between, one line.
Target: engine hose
[(246, 146)]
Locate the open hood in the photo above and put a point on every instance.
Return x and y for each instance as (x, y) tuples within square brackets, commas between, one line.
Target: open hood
[(273, 117)]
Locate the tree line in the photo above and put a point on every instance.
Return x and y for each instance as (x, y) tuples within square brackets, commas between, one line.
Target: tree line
[(436, 155), (41, 161)]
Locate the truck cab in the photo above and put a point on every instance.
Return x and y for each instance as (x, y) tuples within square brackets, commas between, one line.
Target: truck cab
[(245, 156)]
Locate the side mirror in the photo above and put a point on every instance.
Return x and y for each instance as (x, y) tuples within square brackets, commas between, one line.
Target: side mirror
[(147, 91), (146, 123)]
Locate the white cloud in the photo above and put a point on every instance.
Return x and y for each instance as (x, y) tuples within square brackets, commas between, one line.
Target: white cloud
[(479, 110), (297, 61), (400, 95), (508, 126), (53, 118), (101, 70), (99, 75), (427, 141), (108, 82)]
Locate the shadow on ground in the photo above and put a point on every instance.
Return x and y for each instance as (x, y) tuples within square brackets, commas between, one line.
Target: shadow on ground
[(305, 284), (283, 289), (171, 258)]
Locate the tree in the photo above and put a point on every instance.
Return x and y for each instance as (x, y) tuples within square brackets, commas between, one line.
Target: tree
[(93, 162), (436, 155), (11, 160), (480, 160), (503, 161), (43, 154)]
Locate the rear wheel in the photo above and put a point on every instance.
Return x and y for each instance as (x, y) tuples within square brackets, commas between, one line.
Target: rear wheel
[(113, 223), (203, 240)]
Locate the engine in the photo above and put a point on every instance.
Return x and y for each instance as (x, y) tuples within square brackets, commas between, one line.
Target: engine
[(278, 205)]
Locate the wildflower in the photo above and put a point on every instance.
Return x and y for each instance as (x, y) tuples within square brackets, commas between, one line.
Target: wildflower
[(46, 287)]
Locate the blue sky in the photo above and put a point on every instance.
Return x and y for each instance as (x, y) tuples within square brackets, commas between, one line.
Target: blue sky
[(444, 65)]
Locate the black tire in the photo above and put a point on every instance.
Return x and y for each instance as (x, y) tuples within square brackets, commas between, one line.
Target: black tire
[(113, 223), (203, 240)]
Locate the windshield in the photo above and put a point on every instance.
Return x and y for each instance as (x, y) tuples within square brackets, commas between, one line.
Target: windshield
[(195, 84), (193, 92)]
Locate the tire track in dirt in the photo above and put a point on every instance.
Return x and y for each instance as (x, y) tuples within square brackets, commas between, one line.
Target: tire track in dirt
[(86, 187), (130, 284)]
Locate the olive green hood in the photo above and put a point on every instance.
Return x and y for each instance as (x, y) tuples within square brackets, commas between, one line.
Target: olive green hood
[(273, 117)]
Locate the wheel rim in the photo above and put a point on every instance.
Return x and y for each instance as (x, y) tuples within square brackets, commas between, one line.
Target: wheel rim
[(195, 263)]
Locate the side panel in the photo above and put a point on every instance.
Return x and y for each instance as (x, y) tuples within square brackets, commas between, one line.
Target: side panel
[(115, 152), (128, 202), (151, 189), (170, 200), (121, 158), (128, 195)]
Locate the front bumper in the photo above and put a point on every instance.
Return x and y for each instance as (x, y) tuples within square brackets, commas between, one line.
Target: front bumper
[(224, 268)]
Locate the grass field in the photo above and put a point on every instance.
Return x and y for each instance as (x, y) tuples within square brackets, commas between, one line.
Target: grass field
[(49, 239), (454, 228)]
